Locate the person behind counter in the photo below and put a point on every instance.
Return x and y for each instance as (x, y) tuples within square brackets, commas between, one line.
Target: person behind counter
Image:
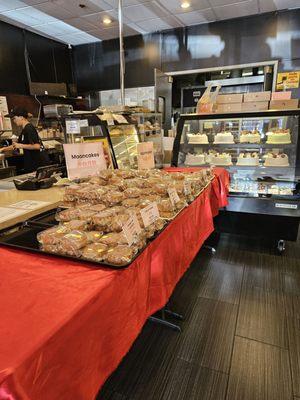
[(35, 155)]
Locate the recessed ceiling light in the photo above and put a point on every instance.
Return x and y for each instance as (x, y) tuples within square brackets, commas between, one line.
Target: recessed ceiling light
[(107, 21), (185, 4)]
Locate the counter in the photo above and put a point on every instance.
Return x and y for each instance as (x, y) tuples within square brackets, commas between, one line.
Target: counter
[(52, 196)]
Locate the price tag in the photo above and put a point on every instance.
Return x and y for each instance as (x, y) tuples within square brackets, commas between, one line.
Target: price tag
[(173, 196), (145, 155), (120, 119), (110, 122), (187, 188), (84, 123), (29, 204), (131, 229), (150, 214), (287, 206), (73, 126)]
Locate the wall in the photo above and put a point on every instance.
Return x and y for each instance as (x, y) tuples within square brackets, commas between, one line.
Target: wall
[(49, 61), (238, 41)]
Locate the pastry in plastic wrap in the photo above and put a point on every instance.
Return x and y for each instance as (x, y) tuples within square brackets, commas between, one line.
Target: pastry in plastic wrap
[(131, 202), (118, 221), (68, 215), (95, 252), (97, 207), (52, 236), (125, 173), (114, 239), (72, 190), (132, 193), (50, 248), (165, 205), (177, 176), (105, 174), (120, 255), (94, 236), (98, 181), (72, 243), (153, 198), (76, 224), (113, 198), (161, 188), (181, 204), (102, 220)]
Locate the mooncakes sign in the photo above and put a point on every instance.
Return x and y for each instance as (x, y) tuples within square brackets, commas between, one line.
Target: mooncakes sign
[(84, 159)]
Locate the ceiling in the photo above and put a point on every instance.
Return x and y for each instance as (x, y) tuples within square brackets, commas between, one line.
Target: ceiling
[(81, 21)]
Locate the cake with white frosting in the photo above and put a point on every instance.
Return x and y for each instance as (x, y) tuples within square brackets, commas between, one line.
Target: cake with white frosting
[(195, 159), (279, 136), (248, 159), (219, 158), (224, 137), (276, 160), (250, 137), (198, 138)]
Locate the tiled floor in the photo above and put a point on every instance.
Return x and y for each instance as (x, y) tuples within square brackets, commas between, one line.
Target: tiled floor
[(241, 334)]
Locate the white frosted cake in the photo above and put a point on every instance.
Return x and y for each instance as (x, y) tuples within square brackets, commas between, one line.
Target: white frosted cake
[(200, 138), (219, 159), (279, 136), (276, 160), (224, 137), (195, 159), (250, 137), (248, 159)]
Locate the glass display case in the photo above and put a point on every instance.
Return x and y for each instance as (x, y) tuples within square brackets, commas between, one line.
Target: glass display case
[(124, 139), (260, 150)]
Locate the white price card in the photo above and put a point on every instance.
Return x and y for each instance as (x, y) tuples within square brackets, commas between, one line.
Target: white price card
[(10, 213), (29, 204), (131, 229), (287, 206), (73, 126), (173, 196), (120, 119), (110, 122), (84, 123), (187, 188), (150, 214)]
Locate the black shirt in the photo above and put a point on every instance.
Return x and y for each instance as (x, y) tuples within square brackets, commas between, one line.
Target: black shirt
[(32, 158)]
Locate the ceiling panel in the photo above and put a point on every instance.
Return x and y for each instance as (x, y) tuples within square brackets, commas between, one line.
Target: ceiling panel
[(174, 6), (197, 17), (66, 21), (242, 9)]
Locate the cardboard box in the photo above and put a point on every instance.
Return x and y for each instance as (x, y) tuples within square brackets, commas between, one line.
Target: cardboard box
[(257, 96), (229, 98), (257, 106), (229, 108), (282, 95), (284, 104)]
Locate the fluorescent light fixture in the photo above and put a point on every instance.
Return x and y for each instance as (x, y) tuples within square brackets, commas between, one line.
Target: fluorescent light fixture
[(185, 4)]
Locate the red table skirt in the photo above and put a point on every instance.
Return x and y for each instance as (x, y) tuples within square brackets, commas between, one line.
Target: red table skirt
[(65, 326)]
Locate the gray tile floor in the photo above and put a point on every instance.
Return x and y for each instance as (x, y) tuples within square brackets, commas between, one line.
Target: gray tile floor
[(241, 334)]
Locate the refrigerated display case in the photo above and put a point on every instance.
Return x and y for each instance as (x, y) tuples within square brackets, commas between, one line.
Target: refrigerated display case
[(261, 151)]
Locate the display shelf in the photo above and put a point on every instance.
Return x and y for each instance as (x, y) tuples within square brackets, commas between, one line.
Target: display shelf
[(241, 145)]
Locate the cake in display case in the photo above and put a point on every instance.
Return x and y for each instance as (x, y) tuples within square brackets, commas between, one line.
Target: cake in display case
[(261, 152)]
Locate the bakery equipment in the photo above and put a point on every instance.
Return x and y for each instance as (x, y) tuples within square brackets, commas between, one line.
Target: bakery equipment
[(57, 110)]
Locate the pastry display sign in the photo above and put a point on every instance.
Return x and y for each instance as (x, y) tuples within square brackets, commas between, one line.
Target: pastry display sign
[(73, 126), (288, 80), (173, 195), (145, 155), (131, 229), (84, 159), (150, 214)]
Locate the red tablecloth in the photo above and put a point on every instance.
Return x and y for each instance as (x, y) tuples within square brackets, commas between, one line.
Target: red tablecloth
[(65, 326)]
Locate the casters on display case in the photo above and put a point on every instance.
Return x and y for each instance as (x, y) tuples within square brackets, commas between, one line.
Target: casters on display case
[(280, 246)]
